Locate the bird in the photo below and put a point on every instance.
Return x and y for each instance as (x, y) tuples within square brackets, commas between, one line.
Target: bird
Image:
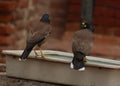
[(81, 46), (36, 36)]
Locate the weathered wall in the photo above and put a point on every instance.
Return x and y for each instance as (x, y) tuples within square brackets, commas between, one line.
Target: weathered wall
[(16, 15), (107, 27)]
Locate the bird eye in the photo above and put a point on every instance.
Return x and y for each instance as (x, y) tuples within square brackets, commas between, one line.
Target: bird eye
[(83, 23)]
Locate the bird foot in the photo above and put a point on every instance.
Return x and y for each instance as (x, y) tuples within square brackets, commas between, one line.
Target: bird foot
[(85, 59), (43, 57), (42, 54), (36, 54)]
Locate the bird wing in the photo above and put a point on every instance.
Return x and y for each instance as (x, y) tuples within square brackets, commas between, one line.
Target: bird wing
[(82, 41), (38, 34)]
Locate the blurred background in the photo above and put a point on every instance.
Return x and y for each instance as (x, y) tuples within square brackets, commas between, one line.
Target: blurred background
[(16, 15)]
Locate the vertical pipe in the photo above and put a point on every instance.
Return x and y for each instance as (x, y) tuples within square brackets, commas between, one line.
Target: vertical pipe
[(87, 11)]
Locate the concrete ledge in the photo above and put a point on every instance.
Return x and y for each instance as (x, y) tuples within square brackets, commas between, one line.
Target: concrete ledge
[(55, 69)]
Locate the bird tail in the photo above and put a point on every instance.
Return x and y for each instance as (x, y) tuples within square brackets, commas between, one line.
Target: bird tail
[(25, 53), (78, 62)]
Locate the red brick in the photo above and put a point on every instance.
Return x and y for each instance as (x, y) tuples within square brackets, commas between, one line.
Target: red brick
[(16, 15), (6, 29), (68, 35), (58, 13), (104, 30), (58, 17), (7, 47), (58, 1), (74, 2), (104, 21), (73, 26), (35, 2), (57, 32), (7, 40), (107, 40), (6, 6), (117, 32), (106, 46), (104, 11), (74, 13), (73, 18), (58, 5), (76, 9), (117, 22), (117, 13), (108, 3), (22, 3), (106, 51), (6, 17), (58, 21)]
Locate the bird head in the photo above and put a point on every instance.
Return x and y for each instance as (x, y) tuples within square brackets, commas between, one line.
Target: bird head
[(85, 25), (45, 18)]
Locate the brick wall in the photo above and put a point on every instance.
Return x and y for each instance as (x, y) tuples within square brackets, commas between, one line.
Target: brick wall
[(107, 27), (58, 10), (16, 15)]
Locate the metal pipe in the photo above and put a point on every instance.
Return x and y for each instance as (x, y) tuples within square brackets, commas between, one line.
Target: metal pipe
[(87, 11)]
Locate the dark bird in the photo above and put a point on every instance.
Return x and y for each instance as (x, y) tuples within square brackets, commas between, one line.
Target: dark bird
[(81, 46), (37, 36)]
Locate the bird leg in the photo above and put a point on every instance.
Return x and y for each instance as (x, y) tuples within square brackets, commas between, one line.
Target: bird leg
[(85, 59), (42, 54), (35, 54)]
